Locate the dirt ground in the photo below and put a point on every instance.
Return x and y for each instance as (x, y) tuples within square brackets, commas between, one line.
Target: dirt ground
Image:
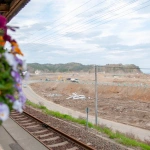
[(118, 102)]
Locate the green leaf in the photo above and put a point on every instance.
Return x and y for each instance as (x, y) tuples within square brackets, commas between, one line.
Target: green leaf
[(6, 86)]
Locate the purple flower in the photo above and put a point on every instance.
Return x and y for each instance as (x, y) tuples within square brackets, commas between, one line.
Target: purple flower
[(16, 76), (10, 97), (7, 37), (11, 60), (19, 89), (3, 22), (22, 98), (19, 61), (18, 106), (4, 112)]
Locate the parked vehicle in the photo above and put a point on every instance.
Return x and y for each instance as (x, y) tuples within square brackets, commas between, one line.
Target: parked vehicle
[(47, 79), (68, 79), (74, 80)]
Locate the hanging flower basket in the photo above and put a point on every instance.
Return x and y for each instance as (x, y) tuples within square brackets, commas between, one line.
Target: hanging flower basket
[(11, 74)]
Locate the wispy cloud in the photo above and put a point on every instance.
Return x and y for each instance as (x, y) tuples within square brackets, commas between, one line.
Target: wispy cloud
[(90, 32)]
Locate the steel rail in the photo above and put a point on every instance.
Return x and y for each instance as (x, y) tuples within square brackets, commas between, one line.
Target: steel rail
[(56, 130), (31, 133)]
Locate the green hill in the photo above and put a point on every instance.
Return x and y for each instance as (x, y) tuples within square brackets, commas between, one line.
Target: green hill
[(77, 67), (69, 67)]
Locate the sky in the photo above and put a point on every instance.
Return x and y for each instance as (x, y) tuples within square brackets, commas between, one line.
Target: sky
[(85, 31)]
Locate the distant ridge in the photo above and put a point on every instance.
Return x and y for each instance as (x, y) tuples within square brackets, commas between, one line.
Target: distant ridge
[(119, 68), (78, 67)]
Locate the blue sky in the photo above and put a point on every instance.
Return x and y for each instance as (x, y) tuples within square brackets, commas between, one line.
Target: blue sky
[(85, 31)]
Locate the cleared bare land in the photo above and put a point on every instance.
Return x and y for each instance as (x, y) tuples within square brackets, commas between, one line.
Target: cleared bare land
[(121, 98)]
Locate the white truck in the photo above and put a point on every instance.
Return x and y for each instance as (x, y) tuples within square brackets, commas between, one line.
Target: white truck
[(74, 80)]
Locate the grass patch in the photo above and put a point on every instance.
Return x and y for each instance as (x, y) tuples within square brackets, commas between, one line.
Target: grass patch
[(119, 137)]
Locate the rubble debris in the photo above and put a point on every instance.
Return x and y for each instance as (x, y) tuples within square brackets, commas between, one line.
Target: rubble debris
[(76, 96)]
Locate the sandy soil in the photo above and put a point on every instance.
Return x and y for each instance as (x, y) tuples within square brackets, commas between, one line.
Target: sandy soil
[(88, 77), (130, 105)]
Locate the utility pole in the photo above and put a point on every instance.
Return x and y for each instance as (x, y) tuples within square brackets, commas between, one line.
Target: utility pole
[(96, 97)]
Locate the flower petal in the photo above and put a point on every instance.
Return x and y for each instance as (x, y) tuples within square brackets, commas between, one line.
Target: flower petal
[(4, 112), (18, 106)]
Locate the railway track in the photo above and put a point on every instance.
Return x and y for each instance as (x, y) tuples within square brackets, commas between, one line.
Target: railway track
[(50, 137)]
